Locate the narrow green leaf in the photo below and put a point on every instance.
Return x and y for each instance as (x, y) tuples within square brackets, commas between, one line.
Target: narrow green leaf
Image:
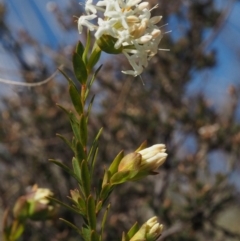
[(86, 234), (83, 130), (63, 108), (98, 207), (76, 168), (89, 108), (65, 75), (120, 177), (75, 125), (71, 225), (94, 57), (115, 163), (16, 230), (85, 177), (142, 146), (66, 141), (132, 231), (82, 205), (66, 168), (106, 189), (94, 236), (93, 162), (106, 177), (80, 153), (76, 98), (88, 43), (124, 237), (65, 205), (104, 219), (91, 212), (73, 120), (91, 81), (79, 68), (80, 48), (94, 145)]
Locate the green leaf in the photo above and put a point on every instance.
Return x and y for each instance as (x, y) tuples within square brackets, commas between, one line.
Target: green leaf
[(104, 219), (93, 162), (79, 68), (66, 168), (85, 177), (65, 75), (91, 81), (142, 146), (132, 231), (86, 234), (91, 212), (16, 230), (106, 189), (71, 225), (115, 163), (120, 177), (88, 43), (124, 237), (83, 130), (94, 57), (98, 206), (75, 125), (66, 141), (82, 205), (76, 168), (80, 153), (76, 98), (94, 146), (73, 120), (64, 205), (63, 108), (94, 236), (89, 108), (106, 177), (80, 48)]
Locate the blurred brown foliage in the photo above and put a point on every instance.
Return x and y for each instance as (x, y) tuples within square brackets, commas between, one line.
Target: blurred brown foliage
[(192, 200)]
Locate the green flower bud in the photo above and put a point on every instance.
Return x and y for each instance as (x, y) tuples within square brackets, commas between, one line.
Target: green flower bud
[(106, 43), (130, 162), (149, 231)]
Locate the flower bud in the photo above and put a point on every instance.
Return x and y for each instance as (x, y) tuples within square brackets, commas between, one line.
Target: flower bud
[(130, 162), (149, 231), (153, 157)]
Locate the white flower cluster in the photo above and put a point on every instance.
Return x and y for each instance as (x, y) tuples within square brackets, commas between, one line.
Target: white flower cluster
[(130, 23)]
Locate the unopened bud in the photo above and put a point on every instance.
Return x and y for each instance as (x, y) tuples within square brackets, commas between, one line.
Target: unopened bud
[(130, 162)]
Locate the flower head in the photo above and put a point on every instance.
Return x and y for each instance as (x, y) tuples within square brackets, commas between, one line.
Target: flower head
[(129, 22), (34, 205)]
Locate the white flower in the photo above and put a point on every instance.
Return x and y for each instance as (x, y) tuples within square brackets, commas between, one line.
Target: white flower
[(84, 21), (129, 22), (153, 157)]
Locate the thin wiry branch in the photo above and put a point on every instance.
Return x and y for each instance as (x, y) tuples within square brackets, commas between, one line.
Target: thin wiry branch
[(12, 82)]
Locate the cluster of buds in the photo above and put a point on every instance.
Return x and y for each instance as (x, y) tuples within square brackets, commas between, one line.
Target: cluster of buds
[(136, 165), (124, 26), (34, 205)]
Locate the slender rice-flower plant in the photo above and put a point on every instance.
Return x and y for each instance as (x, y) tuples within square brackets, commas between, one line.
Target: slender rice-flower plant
[(120, 26)]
